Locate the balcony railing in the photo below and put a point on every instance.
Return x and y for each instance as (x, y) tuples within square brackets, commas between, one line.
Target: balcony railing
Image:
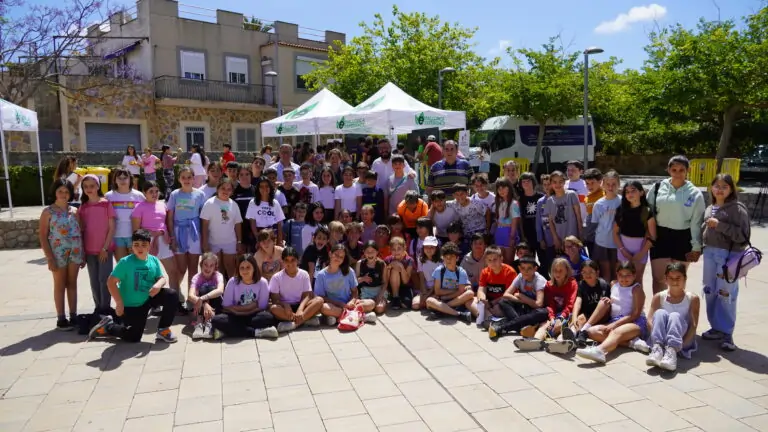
[(213, 91)]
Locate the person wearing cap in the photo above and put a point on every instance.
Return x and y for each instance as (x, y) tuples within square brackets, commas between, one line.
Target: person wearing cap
[(426, 263), (410, 209), (432, 152)]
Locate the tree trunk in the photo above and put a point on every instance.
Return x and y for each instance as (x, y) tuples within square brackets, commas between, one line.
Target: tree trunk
[(729, 118), (539, 144)]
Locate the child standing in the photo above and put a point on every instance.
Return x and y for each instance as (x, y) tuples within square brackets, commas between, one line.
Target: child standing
[(136, 284), (603, 214), (315, 256), (97, 220), (594, 180), (269, 256), (348, 195), (474, 216), (327, 194), (410, 210), (308, 191), (291, 292), (627, 324), (507, 213), (593, 303), (150, 162), (354, 246), (314, 218), (198, 161), (575, 169), (168, 162), (522, 304), (441, 215), (373, 196), (428, 260), (293, 229), (151, 215), (245, 304), (452, 290), (123, 200), (212, 181), (474, 261), (265, 212), (634, 227), (289, 190), (424, 229), (674, 316), (529, 212), (488, 199), (371, 282), (222, 226), (205, 294), (563, 211), (132, 163), (726, 233), (62, 243), (398, 184)]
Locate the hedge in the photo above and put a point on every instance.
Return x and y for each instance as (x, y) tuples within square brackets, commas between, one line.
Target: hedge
[(25, 185)]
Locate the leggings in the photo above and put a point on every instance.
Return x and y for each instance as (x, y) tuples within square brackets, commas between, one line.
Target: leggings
[(98, 273), (519, 315), (242, 325), (169, 176)]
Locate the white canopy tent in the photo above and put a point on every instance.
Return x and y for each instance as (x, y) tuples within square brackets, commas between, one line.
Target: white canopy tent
[(304, 119), (16, 118), (392, 111)]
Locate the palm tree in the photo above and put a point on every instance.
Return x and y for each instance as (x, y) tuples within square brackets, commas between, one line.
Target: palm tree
[(256, 24)]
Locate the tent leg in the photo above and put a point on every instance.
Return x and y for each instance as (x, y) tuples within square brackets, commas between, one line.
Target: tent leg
[(40, 168), (5, 167)]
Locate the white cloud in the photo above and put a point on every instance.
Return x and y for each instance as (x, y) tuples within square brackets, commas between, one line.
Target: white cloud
[(637, 14), (501, 48)]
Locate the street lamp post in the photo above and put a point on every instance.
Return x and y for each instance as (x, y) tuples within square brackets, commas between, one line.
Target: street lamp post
[(440, 94), (277, 94), (587, 52)]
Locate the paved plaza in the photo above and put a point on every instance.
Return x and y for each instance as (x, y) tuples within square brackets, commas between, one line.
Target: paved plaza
[(404, 373)]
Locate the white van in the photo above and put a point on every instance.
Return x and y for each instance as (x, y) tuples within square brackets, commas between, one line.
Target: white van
[(515, 137)]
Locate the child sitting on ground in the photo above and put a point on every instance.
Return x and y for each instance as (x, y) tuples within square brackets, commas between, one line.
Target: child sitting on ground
[(494, 280), (427, 262), (205, 295), (593, 303), (291, 293), (522, 305), (452, 290), (370, 281)]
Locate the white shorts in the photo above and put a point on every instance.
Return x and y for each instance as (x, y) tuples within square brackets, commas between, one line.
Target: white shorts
[(226, 249), (193, 246), (163, 249)]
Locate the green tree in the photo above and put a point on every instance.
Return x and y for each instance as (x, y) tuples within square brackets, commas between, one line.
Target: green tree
[(713, 74), (256, 24), (409, 51)]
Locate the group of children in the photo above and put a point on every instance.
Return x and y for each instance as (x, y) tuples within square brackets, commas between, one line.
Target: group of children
[(340, 250)]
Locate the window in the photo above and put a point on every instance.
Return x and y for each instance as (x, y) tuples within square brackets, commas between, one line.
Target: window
[(303, 67), (245, 139), (193, 65), (194, 135), (237, 70)]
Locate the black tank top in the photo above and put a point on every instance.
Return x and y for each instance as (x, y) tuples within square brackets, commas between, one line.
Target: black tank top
[(376, 273)]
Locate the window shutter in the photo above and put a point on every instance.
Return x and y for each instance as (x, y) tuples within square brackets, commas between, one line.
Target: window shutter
[(193, 62), (237, 65)]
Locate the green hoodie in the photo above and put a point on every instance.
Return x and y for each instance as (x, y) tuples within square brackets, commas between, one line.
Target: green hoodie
[(679, 209)]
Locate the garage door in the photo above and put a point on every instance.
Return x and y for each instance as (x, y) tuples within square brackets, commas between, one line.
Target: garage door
[(112, 137)]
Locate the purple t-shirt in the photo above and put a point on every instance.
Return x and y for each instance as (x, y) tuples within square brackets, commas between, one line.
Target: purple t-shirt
[(205, 285), (151, 215), (290, 288), (241, 294)]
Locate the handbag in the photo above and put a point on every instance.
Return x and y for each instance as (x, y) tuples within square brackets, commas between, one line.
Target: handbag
[(740, 263), (351, 319)]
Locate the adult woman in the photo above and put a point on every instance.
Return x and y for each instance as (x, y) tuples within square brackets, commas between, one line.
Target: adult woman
[(678, 207), (132, 163), (66, 170), (198, 162)]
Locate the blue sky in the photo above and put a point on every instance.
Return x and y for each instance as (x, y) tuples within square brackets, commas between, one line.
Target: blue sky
[(620, 27)]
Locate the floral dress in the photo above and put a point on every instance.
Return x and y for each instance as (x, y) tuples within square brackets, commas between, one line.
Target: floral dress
[(64, 236)]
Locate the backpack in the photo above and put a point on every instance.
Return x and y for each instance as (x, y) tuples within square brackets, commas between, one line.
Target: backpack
[(656, 187)]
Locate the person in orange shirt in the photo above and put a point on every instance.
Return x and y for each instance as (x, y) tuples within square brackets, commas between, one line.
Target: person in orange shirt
[(494, 280), (410, 210)]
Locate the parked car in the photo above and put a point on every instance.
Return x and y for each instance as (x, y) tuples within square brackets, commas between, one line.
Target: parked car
[(755, 164)]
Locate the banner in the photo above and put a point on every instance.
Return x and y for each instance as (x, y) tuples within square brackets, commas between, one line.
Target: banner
[(464, 142)]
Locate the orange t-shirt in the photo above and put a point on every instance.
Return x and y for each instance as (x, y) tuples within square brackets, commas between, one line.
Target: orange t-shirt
[(410, 217), (384, 251), (496, 283)]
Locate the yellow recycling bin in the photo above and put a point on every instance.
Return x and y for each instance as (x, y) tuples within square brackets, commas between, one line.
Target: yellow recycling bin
[(523, 165), (103, 175), (702, 171), (732, 167)]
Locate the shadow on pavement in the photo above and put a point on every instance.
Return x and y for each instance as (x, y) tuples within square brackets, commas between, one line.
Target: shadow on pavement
[(42, 342)]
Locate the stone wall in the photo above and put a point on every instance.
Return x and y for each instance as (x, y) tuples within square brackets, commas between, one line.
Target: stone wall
[(19, 234), (18, 141)]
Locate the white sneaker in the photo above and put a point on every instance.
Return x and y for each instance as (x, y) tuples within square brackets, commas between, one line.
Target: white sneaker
[(591, 353), (286, 326), (654, 358), (199, 331), (669, 361), (331, 321), (312, 322), (371, 317), (266, 333), (208, 331), (639, 345)]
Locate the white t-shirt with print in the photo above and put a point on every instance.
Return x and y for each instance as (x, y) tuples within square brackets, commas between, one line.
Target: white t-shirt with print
[(135, 168), (123, 204), (580, 187), (427, 269), (529, 288), (489, 202), (348, 196), (265, 214), (222, 217)]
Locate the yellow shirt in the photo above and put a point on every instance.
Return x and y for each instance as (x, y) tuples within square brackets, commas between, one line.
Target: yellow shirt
[(592, 199)]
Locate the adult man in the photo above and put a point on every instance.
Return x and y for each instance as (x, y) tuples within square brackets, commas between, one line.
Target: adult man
[(383, 164), (445, 173), (286, 156), (432, 152)]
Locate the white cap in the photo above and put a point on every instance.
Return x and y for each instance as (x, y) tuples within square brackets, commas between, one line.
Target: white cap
[(430, 241), (431, 138)]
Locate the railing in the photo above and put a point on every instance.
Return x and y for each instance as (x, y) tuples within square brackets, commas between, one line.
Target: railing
[(219, 91)]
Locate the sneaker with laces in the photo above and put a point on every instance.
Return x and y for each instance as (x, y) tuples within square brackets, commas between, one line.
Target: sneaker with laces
[(559, 347), (669, 360), (568, 334), (331, 321), (581, 339), (528, 331), (639, 345), (529, 344), (465, 316), (100, 329), (266, 333), (166, 335), (63, 324), (593, 353), (371, 317), (199, 331), (312, 322), (727, 343), (712, 334), (494, 330), (654, 358), (208, 330), (286, 326)]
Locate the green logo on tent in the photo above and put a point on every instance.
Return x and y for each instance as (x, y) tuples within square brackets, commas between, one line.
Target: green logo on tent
[(343, 123), (424, 120), (22, 119), (284, 129), (370, 105), (302, 112)]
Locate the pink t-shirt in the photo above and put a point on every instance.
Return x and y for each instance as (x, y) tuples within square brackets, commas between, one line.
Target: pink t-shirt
[(152, 215), (290, 288), (94, 221), (149, 163)]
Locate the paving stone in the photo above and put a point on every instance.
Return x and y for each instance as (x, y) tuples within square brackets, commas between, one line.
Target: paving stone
[(454, 376), (525, 365), (424, 392), (610, 391), (357, 423), (532, 403), (504, 381), (758, 422), (150, 404), (62, 416), (290, 398), (339, 404), (381, 411), (243, 392), (328, 382), (728, 403), (446, 416), (619, 426), (300, 420), (200, 387), (376, 386), (560, 422), (317, 363), (503, 420), (738, 385), (407, 371), (247, 416), (108, 420), (213, 426), (287, 376), (555, 385), (589, 409), (418, 426), (666, 396), (651, 416), (710, 419), (198, 410), (38, 385), (361, 367), (157, 423), (157, 381), (234, 372)]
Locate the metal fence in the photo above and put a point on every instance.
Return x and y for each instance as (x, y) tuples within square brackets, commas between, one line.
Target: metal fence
[(206, 90)]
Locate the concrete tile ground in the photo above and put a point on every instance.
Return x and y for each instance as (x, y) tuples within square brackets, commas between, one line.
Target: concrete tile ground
[(404, 373)]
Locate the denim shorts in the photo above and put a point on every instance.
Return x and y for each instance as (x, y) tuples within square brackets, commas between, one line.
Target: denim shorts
[(122, 242)]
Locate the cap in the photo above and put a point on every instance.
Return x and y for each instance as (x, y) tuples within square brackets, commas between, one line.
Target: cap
[(431, 138), (430, 241)]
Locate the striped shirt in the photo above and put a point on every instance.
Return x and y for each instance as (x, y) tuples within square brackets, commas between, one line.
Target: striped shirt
[(443, 176)]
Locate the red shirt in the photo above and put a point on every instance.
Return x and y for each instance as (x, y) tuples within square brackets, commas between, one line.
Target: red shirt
[(227, 157), (434, 153), (560, 299), (496, 283)]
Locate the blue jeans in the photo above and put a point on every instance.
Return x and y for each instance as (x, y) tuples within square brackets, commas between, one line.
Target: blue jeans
[(720, 295)]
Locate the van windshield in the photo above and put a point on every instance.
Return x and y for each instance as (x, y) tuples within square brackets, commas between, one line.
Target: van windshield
[(498, 139)]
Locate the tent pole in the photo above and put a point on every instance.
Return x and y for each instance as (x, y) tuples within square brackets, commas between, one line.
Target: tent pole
[(5, 166), (40, 167)]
